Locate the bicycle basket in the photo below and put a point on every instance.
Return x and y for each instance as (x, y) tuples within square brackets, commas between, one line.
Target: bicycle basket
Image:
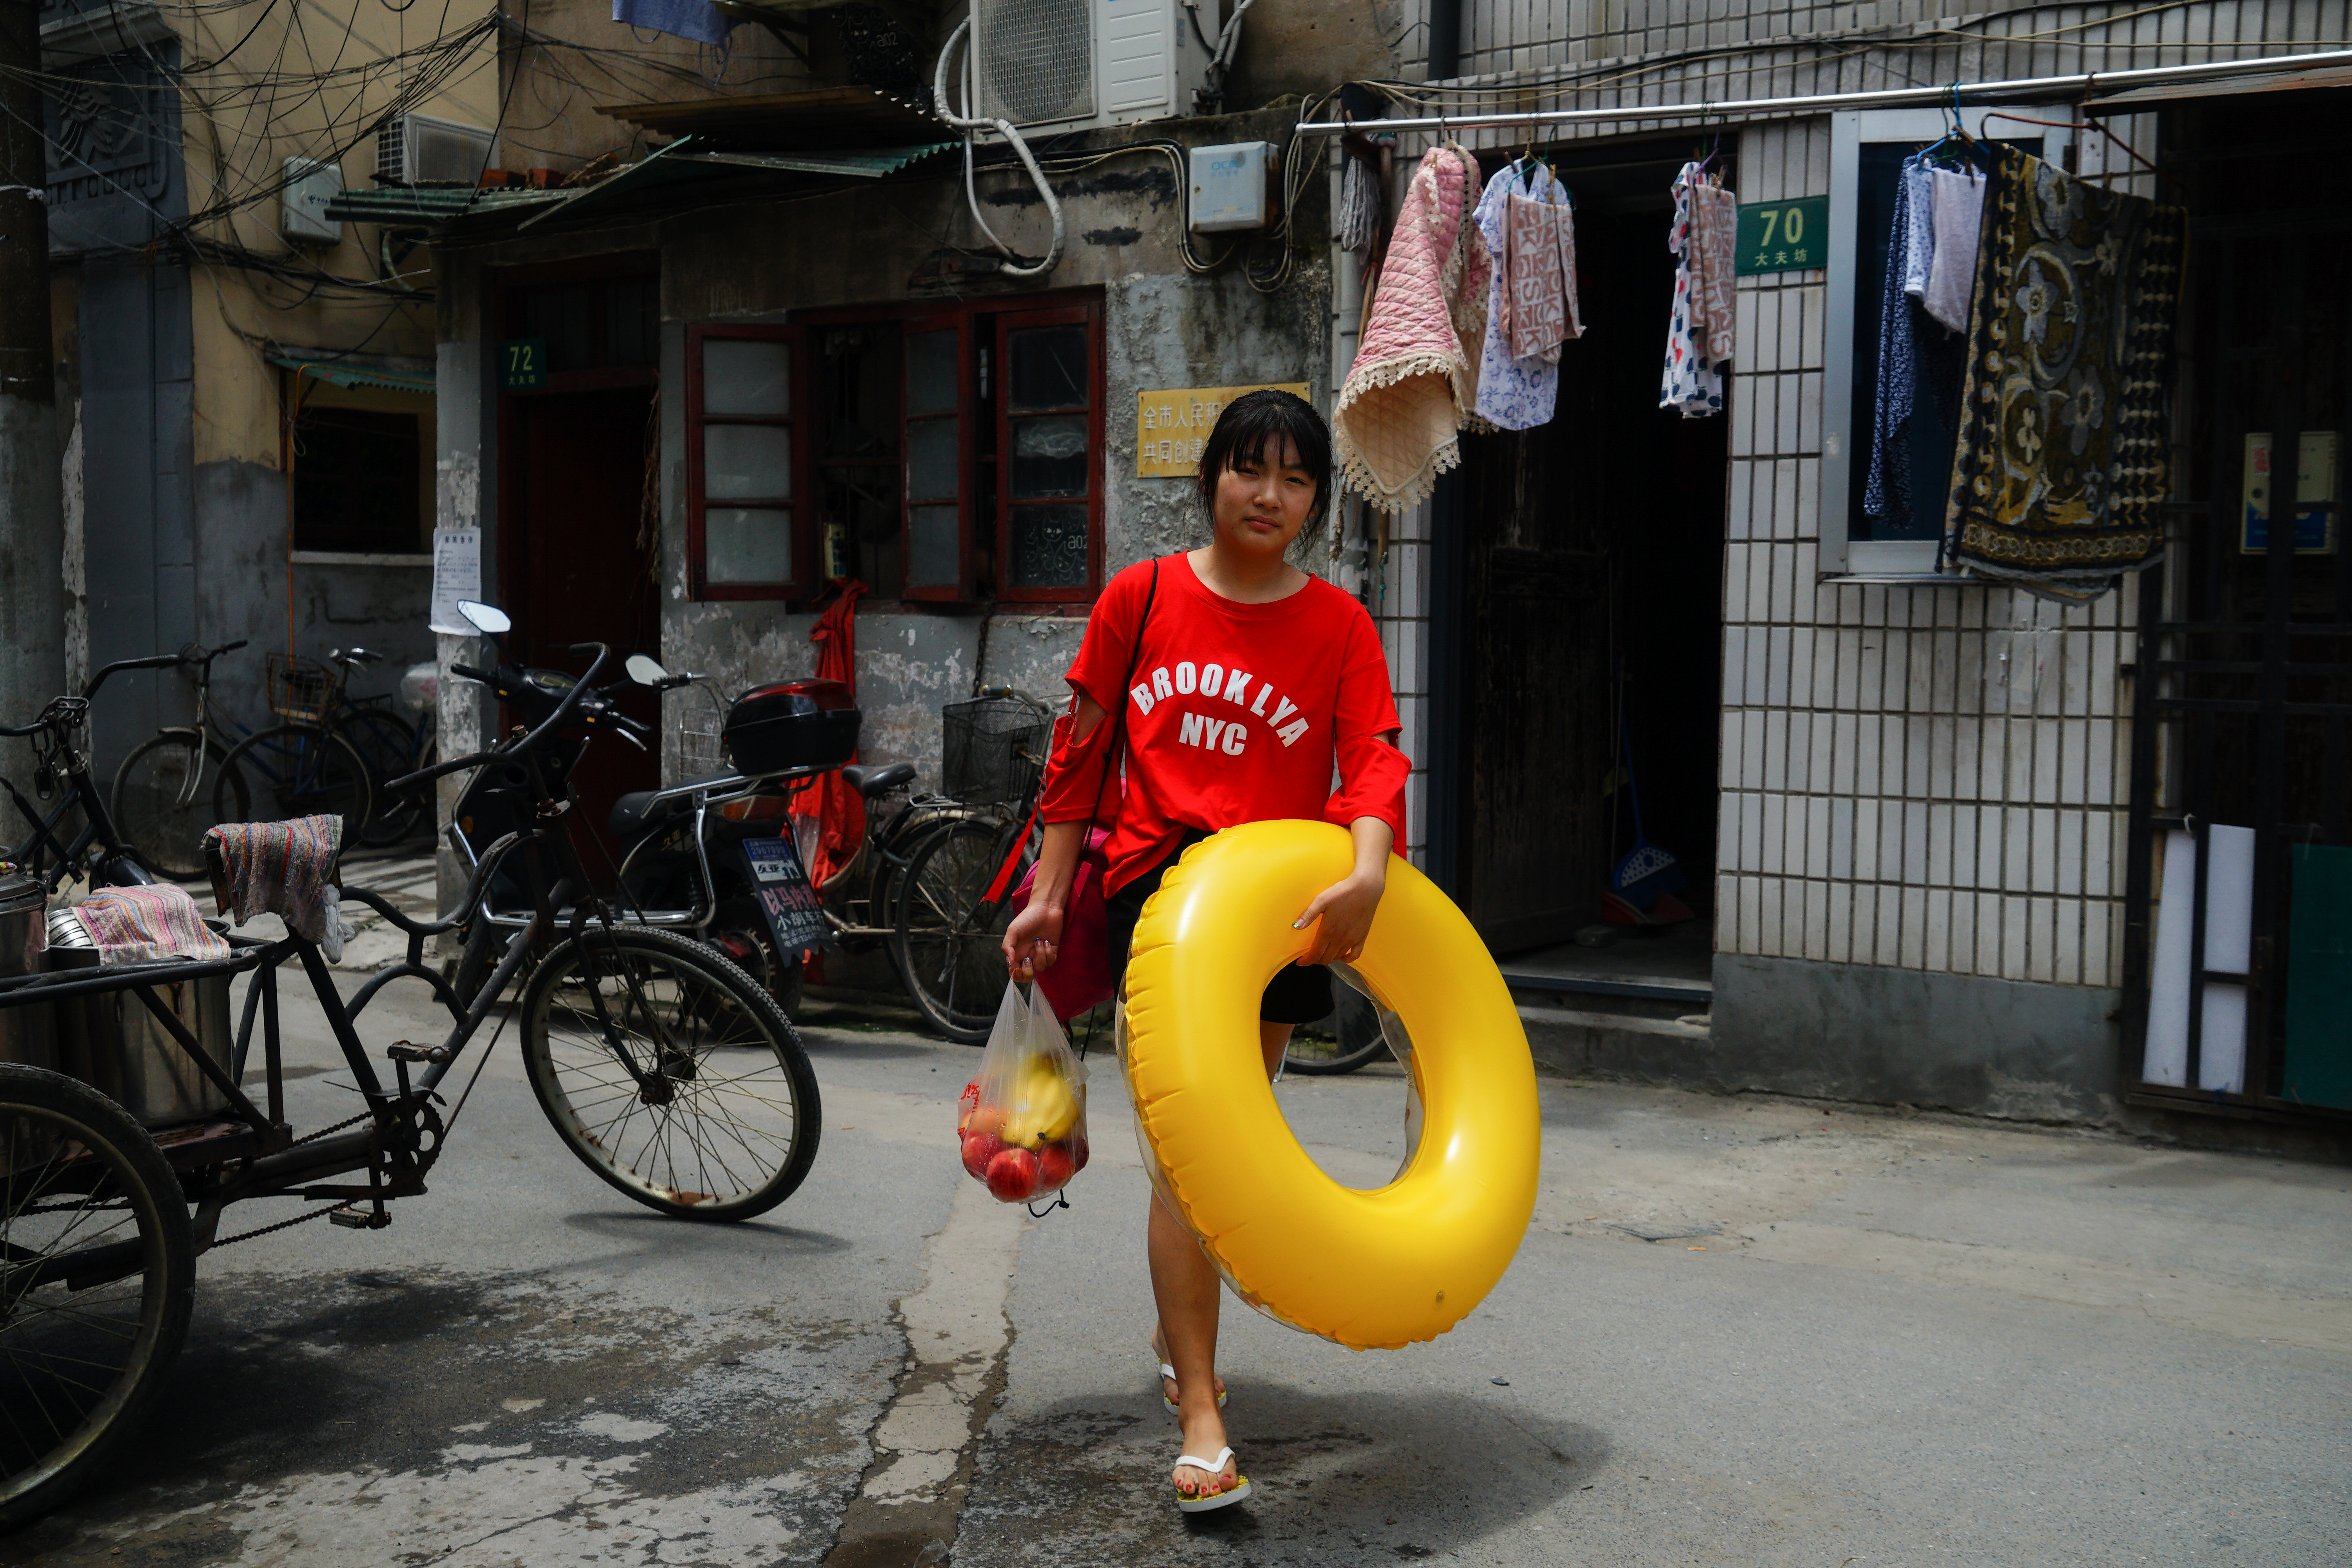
[(301, 691), (993, 749)]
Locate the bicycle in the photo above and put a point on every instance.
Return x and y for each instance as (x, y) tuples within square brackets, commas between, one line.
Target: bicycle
[(387, 744), (948, 931), (660, 1065), (99, 852), (189, 777)]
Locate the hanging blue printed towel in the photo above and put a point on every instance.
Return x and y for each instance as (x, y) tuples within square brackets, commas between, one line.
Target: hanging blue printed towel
[(695, 20)]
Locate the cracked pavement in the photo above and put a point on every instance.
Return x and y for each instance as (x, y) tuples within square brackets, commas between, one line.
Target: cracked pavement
[(1740, 1331)]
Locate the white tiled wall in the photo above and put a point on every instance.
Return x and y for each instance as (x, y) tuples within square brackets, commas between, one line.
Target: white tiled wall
[(1927, 777)]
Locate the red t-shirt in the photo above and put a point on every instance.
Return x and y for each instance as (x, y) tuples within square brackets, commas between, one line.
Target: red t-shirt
[(1235, 713)]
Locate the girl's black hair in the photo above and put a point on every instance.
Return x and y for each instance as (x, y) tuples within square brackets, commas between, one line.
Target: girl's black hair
[(1255, 421)]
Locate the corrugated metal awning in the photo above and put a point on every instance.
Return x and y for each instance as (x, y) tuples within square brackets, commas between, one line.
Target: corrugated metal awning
[(865, 166), (2137, 100), (828, 119), (342, 372)]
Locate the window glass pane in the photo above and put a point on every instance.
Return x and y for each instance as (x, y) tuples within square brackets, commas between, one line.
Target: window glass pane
[(1049, 368), (932, 459), (747, 544), (1049, 456), (931, 372), (747, 461), (1049, 546), (747, 375), (933, 558)]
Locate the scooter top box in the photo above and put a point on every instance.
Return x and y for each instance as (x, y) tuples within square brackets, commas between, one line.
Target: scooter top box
[(793, 724)]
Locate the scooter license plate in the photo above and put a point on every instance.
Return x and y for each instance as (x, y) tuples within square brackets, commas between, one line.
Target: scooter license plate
[(796, 914)]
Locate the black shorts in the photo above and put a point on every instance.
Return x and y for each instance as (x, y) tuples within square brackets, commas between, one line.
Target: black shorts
[(1299, 994)]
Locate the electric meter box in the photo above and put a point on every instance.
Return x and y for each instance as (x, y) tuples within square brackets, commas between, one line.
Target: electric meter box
[(1233, 186), (307, 186)]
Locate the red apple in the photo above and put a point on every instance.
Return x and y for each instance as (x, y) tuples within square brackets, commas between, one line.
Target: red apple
[(1054, 1167), (1013, 1175), (979, 1148), (986, 1119), (1078, 1153)]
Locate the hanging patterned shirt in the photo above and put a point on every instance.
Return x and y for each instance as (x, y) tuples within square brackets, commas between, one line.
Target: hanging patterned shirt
[(1513, 394), (1694, 383)]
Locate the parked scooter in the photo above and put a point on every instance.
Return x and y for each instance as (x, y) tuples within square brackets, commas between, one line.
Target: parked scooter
[(712, 857)]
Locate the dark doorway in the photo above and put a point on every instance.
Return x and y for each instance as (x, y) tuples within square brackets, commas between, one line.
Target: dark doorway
[(1592, 559), (584, 560)]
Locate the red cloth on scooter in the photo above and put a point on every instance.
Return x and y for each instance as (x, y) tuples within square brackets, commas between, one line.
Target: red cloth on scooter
[(839, 810)]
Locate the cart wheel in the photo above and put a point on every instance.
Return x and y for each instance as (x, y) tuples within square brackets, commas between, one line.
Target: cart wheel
[(95, 1292), (1357, 1022)]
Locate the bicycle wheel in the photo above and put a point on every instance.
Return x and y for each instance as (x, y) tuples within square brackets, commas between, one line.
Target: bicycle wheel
[(96, 1290), (1360, 1043), (707, 1110), (166, 793), (292, 769), (385, 744), (953, 964)]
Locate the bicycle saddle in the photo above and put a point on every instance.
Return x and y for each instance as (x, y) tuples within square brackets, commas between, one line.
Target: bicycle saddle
[(871, 782)]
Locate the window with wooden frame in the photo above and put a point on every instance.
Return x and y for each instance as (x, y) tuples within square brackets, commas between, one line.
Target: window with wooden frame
[(947, 454), (742, 427), (1049, 434)]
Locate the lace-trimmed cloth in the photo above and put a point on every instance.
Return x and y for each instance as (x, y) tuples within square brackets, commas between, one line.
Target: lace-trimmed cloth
[(1416, 379)]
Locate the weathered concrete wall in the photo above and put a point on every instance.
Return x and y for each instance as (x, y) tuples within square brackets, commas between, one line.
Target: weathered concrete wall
[(1908, 1037), (1304, 48)]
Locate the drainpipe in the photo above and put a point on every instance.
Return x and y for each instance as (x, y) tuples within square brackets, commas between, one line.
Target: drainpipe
[(1445, 39)]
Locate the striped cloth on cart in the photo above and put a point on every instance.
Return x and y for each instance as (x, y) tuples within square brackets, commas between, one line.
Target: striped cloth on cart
[(280, 868), (132, 925)]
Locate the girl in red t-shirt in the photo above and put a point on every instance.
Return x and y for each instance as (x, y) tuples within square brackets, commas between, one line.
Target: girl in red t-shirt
[(1251, 684)]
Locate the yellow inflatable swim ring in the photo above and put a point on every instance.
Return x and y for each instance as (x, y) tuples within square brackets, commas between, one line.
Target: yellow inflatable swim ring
[(1377, 1269)]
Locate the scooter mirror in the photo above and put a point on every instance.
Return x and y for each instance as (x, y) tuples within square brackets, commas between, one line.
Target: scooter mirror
[(486, 618), (645, 670)]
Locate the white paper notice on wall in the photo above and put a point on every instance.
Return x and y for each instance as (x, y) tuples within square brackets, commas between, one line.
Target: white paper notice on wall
[(457, 574), (2229, 950)]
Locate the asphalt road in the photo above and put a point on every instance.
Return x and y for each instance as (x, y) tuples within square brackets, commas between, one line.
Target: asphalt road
[(1740, 1331)]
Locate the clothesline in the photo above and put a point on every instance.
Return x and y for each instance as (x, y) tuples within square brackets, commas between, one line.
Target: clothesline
[(1937, 96)]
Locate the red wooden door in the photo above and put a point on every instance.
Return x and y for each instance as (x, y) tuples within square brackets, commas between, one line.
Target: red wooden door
[(582, 568)]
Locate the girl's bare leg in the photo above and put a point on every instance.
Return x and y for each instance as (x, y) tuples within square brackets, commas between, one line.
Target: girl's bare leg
[(1185, 1284)]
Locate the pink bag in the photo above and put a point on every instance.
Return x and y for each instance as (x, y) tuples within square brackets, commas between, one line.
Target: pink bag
[(1079, 977)]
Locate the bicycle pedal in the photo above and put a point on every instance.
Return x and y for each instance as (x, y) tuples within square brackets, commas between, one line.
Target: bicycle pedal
[(408, 1051), (353, 1216)]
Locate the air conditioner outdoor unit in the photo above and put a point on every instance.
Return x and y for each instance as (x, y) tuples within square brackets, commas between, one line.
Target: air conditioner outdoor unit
[(1075, 63), (418, 150)]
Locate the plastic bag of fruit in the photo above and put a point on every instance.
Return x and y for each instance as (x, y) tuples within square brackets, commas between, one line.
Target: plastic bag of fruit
[(1023, 1121)]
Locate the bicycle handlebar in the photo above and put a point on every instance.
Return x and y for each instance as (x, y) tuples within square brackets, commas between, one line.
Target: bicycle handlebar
[(563, 711), (152, 662)]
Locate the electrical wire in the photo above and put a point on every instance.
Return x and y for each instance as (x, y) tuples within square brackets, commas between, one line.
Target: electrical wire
[(970, 126)]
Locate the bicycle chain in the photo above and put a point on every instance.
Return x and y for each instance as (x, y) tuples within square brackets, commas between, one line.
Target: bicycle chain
[(265, 1230)]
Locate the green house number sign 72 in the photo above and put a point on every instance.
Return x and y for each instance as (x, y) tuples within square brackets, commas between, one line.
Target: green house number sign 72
[(1777, 236), (522, 364)]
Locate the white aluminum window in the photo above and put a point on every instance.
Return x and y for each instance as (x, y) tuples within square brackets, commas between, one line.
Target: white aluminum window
[(1865, 150)]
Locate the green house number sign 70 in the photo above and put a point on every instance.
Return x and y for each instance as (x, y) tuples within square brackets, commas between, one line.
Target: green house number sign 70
[(1777, 236), (522, 364)]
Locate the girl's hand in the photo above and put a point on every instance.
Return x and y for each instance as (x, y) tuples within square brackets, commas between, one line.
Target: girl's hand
[(1345, 908), (1033, 940)]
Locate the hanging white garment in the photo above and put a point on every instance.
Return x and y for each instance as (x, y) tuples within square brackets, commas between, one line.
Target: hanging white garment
[(1958, 206)]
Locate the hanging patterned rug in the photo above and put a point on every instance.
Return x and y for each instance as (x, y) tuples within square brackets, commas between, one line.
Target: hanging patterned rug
[(2058, 467)]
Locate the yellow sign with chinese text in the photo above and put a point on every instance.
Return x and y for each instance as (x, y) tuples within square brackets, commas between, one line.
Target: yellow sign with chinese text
[(1171, 427)]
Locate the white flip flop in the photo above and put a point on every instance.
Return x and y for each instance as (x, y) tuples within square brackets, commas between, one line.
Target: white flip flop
[(1169, 1373), (1231, 1495)]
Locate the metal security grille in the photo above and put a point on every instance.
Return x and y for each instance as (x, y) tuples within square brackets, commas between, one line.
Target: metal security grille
[(1036, 59), (2239, 889)]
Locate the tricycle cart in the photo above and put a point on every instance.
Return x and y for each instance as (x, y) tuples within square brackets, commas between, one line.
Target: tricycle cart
[(661, 1065)]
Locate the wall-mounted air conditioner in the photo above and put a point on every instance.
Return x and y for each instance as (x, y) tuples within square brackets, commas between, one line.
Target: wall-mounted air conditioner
[(1075, 63), (419, 149)]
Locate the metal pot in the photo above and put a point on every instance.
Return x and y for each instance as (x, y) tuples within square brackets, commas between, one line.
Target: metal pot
[(111, 1042), (28, 1033)]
